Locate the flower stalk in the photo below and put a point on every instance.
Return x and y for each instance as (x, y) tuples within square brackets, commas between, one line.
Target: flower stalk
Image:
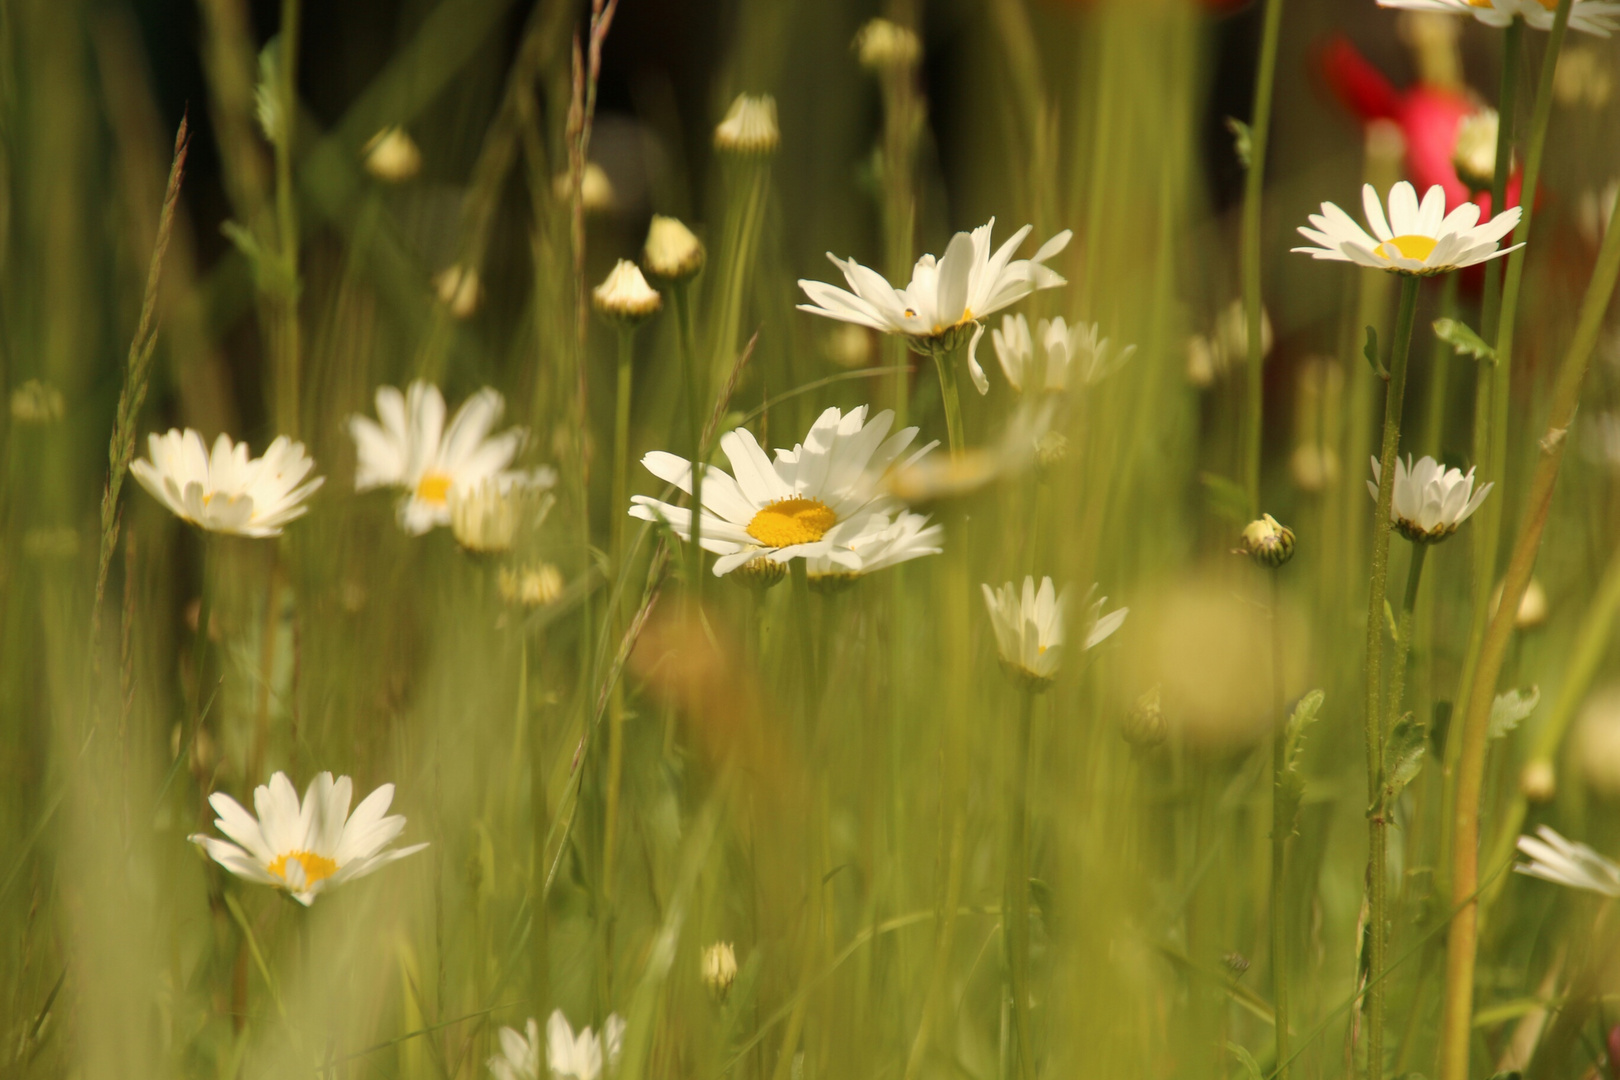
[(945, 364), (1015, 906), (1253, 189)]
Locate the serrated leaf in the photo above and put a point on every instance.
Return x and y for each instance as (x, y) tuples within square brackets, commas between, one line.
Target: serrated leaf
[(1370, 351), (1290, 792), (1242, 140), (1463, 340), (1403, 755), (1305, 714), (1250, 1066), (1226, 499), (1510, 708)]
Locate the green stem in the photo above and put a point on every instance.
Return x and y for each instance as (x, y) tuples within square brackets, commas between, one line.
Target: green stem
[(1281, 830), (744, 217), (807, 646), (616, 515), (1253, 187), (1395, 393), (945, 364), (1403, 643), (1015, 908), (540, 825), (1434, 423), (287, 223), (697, 395), (1506, 112)]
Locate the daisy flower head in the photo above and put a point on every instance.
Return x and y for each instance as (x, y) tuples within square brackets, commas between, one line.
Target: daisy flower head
[(883, 543), (1598, 17), (1419, 239), (309, 847), (1057, 356), (412, 450), (749, 127), (581, 1057), (810, 502), (946, 297), (227, 491), (1429, 501), (1564, 862), (1029, 628)]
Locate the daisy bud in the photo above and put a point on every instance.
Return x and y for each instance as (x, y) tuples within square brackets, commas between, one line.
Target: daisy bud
[(392, 156), (531, 586), (1474, 153), (749, 126), (849, 346), (1144, 727), (1313, 467), (1268, 542), (36, 402), (882, 45), (1538, 783), (459, 289), (625, 295), (1583, 77), (485, 519), (1051, 450), (1236, 963), (759, 574), (595, 189), (671, 251), (1532, 606), (719, 969), (1597, 742)]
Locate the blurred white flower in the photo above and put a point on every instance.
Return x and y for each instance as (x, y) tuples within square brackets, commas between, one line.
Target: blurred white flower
[(227, 492), (625, 295), (1584, 76), (881, 544), (37, 402), (1072, 356), (1564, 862), (946, 297), (1598, 17), (1029, 628), (459, 289), (530, 586), (392, 155), (1473, 154), (1429, 501), (412, 450), (672, 251), (1532, 606), (1594, 210), (719, 968), (1227, 344), (1416, 239), (581, 1057), (485, 517), (749, 126), (882, 44), (811, 502), (596, 192), (309, 848), (519, 1057)]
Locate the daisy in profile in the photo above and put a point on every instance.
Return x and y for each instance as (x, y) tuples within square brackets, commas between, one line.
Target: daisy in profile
[(1416, 239), (1429, 502), (305, 849), (1564, 862), (882, 544), (1058, 357), (946, 297), (568, 1057), (810, 502), (227, 491), (1598, 17), (1029, 628), (411, 449)]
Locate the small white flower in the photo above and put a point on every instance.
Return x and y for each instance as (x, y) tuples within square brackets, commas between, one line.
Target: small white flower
[(811, 502), (1564, 862), (625, 295), (519, 1058), (1419, 240), (882, 44), (946, 297), (1429, 501), (1473, 154), (881, 544), (719, 968), (749, 126), (309, 848), (580, 1057), (1076, 356), (227, 492), (671, 250), (1589, 16), (412, 450), (1030, 632), (485, 517), (596, 192), (392, 156)]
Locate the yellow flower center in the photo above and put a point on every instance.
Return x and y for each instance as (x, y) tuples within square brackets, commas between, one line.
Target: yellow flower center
[(434, 487), (792, 521), (1410, 246), (316, 867)]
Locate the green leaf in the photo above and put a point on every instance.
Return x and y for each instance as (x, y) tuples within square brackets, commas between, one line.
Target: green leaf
[(1250, 1066), (1242, 140), (1290, 791), (1403, 755), (1370, 351), (1227, 500), (1510, 708), (1466, 343), (1305, 714)]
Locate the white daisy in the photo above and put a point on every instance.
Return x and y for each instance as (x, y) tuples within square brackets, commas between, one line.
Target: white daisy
[(1429, 501), (411, 449), (1415, 239), (227, 492), (1075, 355), (1029, 628), (568, 1057), (946, 297), (812, 501), (881, 544), (1598, 17), (1556, 859), (309, 848)]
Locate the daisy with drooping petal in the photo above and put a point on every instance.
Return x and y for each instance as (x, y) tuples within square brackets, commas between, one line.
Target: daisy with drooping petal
[(1598, 17), (811, 502), (1564, 862), (227, 491), (1075, 356), (305, 849), (1429, 501), (1416, 239), (881, 544), (946, 297), (1030, 632), (412, 449)]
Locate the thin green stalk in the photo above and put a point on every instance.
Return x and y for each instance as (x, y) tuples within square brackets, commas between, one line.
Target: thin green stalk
[(616, 517), (945, 364), (1439, 395), (540, 826), (1462, 941), (1253, 188), (1015, 908), (621, 449), (744, 218), (1507, 101), (1281, 829), (697, 396), (902, 123), (286, 318), (1394, 398), (1403, 640), (807, 646)]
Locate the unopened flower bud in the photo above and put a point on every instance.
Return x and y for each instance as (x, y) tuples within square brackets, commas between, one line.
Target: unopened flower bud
[(625, 294), (392, 156), (484, 520), (1236, 963), (1473, 155), (36, 402), (1051, 450), (719, 968), (459, 290), (749, 126), (596, 192), (759, 574), (1268, 542), (882, 45), (671, 251), (1144, 727), (1538, 783), (1532, 606), (530, 586)]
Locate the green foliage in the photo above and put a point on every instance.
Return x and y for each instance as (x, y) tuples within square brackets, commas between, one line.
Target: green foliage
[(1510, 708), (1463, 340)]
